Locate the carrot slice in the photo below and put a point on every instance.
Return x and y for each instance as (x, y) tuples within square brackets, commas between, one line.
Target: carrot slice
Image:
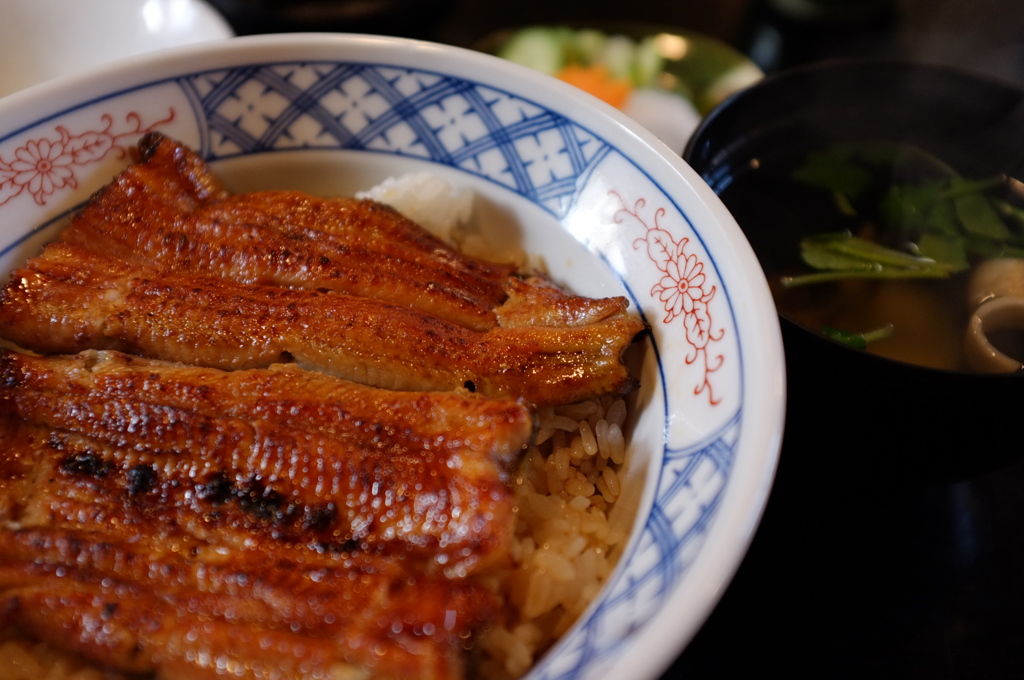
[(598, 81)]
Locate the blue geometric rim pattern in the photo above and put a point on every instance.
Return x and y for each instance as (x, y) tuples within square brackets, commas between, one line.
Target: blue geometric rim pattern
[(521, 146), (530, 150)]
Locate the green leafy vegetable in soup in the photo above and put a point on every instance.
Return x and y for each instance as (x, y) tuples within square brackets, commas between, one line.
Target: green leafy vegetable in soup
[(926, 220), (874, 243)]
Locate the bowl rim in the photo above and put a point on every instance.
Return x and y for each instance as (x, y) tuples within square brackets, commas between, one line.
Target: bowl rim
[(830, 67)]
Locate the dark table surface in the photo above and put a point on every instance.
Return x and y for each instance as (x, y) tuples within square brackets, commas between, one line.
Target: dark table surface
[(847, 576)]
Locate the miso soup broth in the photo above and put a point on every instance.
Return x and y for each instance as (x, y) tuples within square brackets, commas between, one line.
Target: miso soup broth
[(874, 244)]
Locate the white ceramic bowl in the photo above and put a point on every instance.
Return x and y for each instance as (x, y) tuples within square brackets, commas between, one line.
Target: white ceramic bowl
[(44, 39), (609, 208)]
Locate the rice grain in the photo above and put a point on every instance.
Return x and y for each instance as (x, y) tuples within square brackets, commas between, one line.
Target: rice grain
[(563, 551)]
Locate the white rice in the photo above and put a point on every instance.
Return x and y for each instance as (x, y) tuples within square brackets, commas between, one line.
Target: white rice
[(447, 213), (427, 200)]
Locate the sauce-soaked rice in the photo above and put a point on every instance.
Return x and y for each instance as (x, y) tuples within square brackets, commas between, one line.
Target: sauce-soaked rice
[(564, 548)]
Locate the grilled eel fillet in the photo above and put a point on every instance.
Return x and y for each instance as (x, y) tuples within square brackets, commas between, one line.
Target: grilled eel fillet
[(286, 454), (69, 299), (278, 521), (186, 609), (169, 211)]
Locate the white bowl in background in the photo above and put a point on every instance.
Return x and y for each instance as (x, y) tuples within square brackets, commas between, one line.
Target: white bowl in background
[(609, 208), (44, 39)]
